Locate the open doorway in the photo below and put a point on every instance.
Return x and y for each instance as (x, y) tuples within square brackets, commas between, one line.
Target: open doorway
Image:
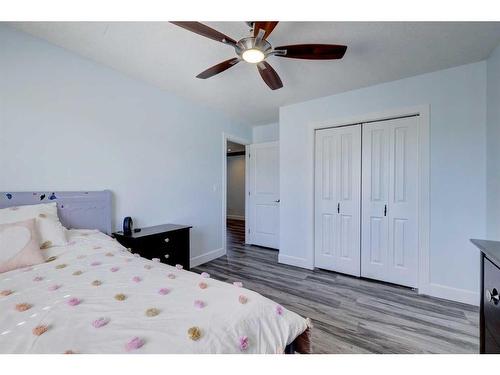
[(235, 193)]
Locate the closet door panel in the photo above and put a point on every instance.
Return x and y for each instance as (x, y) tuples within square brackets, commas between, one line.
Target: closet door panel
[(402, 212), (325, 200), (389, 245), (337, 199), (375, 194)]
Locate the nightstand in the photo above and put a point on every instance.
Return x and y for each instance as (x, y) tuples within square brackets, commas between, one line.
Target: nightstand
[(168, 242)]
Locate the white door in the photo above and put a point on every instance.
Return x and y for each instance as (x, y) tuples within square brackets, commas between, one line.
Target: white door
[(337, 199), (389, 243), (263, 194)]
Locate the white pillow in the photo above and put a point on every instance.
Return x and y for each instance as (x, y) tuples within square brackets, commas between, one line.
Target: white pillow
[(50, 230)]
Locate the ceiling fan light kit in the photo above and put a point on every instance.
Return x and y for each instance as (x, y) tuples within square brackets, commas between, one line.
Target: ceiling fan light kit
[(256, 49)]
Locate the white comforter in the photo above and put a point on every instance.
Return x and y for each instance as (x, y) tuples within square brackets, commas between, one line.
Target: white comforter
[(68, 295)]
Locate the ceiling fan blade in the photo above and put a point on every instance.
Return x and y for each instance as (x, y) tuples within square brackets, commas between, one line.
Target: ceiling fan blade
[(313, 51), (267, 26), (219, 68), (201, 29), (269, 75)]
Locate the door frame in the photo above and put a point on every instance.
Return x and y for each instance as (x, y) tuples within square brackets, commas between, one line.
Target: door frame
[(423, 111), (243, 141)]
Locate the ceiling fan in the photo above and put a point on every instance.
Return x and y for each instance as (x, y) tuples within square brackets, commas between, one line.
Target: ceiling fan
[(255, 49)]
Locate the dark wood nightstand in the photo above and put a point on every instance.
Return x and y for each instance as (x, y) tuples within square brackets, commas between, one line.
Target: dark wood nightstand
[(168, 242)]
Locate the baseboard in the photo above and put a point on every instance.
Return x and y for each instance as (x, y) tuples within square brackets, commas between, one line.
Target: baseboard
[(207, 257), (450, 293), (235, 217), (295, 261)]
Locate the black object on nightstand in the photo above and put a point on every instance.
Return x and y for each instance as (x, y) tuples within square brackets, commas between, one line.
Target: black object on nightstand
[(168, 242)]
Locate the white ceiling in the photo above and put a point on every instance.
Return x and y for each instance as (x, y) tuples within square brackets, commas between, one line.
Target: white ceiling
[(170, 57)]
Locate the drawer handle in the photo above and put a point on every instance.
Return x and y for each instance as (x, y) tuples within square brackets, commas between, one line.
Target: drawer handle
[(492, 296), (167, 256), (167, 240)]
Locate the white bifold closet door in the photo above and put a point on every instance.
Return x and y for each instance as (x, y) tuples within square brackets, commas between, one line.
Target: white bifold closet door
[(389, 235), (337, 199)]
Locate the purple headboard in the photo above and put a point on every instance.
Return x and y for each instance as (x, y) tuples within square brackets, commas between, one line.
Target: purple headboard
[(76, 209)]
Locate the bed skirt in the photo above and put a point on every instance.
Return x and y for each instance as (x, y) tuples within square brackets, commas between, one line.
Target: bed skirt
[(302, 343)]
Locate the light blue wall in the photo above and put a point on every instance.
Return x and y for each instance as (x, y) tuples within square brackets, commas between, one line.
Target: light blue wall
[(266, 133), (493, 160), (68, 123), (457, 99)]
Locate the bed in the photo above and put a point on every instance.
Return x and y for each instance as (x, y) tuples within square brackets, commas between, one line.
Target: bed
[(93, 296)]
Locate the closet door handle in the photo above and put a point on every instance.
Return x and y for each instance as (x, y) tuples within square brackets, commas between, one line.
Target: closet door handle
[(385, 210), (338, 208)]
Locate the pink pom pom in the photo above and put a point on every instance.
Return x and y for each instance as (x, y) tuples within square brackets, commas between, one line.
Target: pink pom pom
[(164, 291), (179, 266), (38, 278), (73, 301), (203, 285), (239, 284), (171, 276), (101, 322), (114, 269), (134, 344), (205, 275), (280, 310), (242, 299), (136, 279), (199, 304), (95, 264), (243, 343), (54, 287)]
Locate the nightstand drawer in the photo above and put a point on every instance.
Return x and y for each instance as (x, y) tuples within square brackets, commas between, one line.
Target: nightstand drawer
[(170, 246)]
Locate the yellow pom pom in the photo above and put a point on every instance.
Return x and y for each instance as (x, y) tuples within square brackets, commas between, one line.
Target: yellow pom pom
[(194, 333), (120, 297), (45, 245), (51, 259), (152, 312)]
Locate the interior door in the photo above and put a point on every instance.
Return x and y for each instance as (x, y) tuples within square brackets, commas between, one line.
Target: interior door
[(337, 199), (389, 242), (263, 194)]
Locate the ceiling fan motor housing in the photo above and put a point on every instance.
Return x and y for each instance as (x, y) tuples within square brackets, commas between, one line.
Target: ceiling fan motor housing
[(249, 43)]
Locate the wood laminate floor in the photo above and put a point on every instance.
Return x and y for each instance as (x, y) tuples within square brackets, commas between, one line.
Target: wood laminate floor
[(350, 315)]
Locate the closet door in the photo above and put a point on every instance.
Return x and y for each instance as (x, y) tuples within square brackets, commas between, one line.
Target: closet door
[(337, 199), (389, 238)]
